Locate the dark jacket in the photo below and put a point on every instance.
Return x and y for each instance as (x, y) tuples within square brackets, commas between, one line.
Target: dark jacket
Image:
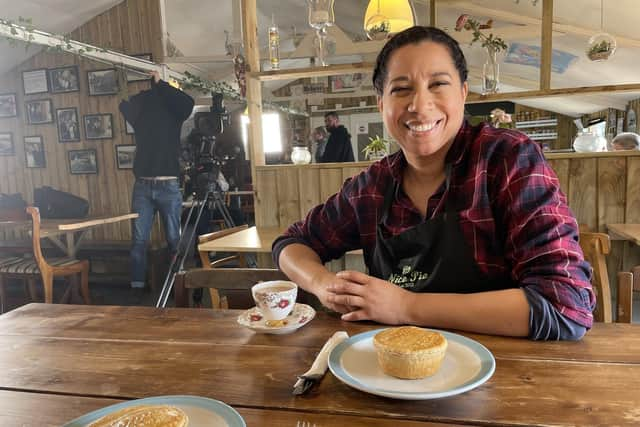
[(157, 115), (338, 148)]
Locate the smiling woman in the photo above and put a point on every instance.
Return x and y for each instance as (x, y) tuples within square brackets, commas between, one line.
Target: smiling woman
[(465, 227)]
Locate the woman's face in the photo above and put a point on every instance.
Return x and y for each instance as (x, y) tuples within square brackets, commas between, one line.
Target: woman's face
[(422, 103)]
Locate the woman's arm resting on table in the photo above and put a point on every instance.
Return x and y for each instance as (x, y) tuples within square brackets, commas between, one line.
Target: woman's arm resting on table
[(503, 312)]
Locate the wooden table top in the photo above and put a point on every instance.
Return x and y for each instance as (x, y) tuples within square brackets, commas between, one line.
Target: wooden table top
[(58, 362), (252, 239), (56, 226), (625, 232)]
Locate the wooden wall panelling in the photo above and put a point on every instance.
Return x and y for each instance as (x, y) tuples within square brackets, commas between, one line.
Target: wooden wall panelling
[(266, 209), (611, 207), (309, 189), (632, 212), (288, 199), (330, 182), (582, 191)]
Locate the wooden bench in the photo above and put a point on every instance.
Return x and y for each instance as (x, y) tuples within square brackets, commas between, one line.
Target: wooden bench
[(36, 266)]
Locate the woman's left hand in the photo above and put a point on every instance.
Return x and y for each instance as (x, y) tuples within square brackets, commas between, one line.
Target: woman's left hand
[(373, 298)]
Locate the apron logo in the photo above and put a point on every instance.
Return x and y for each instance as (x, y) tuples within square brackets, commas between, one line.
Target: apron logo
[(408, 277)]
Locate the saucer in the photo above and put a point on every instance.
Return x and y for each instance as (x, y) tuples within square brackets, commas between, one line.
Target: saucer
[(299, 316)]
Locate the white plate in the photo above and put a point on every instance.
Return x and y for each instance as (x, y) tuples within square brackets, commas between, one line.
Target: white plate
[(466, 365), (202, 412), (299, 316)]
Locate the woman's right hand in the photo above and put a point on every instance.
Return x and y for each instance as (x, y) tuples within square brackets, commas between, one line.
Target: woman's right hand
[(321, 285)]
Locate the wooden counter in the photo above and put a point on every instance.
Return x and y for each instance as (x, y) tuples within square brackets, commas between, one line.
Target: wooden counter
[(601, 188)]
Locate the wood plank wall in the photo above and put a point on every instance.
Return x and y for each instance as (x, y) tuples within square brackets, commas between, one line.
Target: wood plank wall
[(601, 188), (132, 27)]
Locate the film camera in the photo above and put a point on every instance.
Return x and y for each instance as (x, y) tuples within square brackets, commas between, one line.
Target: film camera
[(203, 162)]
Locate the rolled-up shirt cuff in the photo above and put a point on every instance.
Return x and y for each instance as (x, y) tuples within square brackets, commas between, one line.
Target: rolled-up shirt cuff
[(546, 323)]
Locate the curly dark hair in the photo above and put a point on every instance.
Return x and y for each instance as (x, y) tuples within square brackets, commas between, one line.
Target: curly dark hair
[(415, 35)]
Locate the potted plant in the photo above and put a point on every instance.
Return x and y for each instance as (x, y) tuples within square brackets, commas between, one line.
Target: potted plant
[(376, 149)]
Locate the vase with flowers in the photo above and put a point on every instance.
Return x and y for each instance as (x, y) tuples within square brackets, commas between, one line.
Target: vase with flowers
[(493, 45)]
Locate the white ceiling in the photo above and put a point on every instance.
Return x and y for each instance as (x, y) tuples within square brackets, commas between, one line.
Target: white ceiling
[(197, 27)]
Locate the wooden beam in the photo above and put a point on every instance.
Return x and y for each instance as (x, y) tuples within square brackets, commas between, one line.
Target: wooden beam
[(298, 73), (476, 98), (546, 40), (433, 13)]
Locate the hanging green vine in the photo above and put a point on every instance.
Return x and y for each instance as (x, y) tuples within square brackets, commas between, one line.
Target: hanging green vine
[(24, 29)]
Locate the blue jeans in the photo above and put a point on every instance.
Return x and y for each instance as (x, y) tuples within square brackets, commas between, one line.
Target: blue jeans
[(148, 197)]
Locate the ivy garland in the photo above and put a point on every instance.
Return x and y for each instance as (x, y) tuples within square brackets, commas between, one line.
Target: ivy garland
[(190, 82)]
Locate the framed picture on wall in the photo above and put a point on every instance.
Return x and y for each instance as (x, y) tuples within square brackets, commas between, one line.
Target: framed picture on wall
[(8, 105), (6, 144), (98, 126), (103, 82), (125, 155), (346, 82), (138, 76), (35, 81), (68, 124), (34, 152), (83, 162), (39, 111), (64, 79)]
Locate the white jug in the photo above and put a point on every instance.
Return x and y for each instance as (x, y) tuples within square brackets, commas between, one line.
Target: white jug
[(587, 142)]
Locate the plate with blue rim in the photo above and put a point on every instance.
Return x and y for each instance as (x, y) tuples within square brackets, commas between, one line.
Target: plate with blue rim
[(467, 364), (202, 411)]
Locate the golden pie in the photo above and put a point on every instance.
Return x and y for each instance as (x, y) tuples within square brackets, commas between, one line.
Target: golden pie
[(144, 416), (409, 352)]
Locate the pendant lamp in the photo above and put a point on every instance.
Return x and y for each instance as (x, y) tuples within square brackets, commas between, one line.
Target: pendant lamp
[(386, 17)]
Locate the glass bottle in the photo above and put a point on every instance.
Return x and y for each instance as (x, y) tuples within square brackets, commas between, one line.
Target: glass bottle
[(274, 45), (300, 155)]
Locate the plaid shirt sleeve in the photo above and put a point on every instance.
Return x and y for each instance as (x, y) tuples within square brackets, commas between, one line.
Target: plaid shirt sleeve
[(541, 244)]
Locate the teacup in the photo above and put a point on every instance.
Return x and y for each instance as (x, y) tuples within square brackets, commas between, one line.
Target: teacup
[(275, 299)]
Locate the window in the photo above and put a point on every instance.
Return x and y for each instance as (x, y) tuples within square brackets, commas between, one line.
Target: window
[(271, 135)]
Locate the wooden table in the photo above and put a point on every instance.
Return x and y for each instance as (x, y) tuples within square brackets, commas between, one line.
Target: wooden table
[(252, 239), (630, 232), (73, 230), (58, 362)]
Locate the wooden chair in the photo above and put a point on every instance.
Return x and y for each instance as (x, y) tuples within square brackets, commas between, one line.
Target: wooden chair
[(208, 264), (595, 247), (37, 266), (229, 287)]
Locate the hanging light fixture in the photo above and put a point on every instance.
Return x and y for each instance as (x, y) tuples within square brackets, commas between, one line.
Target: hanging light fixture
[(385, 17), (601, 45)]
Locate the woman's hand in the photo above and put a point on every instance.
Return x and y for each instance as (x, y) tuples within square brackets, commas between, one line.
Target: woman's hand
[(323, 283), (369, 298)]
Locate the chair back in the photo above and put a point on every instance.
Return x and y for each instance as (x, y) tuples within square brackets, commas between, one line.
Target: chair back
[(595, 246), (35, 237), (230, 284)]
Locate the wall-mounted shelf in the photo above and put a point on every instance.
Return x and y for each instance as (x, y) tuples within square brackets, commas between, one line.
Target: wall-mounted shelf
[(299, 73), (536, 123), (543, 136)]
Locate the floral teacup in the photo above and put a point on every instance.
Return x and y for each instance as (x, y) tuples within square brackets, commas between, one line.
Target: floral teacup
[(275, 299)]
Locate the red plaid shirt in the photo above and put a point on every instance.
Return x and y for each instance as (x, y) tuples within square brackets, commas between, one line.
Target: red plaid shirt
[(512, 212)]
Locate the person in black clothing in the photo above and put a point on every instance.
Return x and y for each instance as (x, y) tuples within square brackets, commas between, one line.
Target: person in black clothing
[(338, 148), (156, 115)]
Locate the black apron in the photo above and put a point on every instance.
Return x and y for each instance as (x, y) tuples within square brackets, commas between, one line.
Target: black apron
[(432, 256)]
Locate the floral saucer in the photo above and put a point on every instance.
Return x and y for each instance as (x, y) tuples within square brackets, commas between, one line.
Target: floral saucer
[(299, 316)]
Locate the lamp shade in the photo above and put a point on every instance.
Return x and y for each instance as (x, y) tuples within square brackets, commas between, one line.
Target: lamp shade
[(384, 17)]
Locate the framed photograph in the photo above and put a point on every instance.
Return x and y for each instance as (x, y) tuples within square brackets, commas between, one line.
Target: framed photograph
[(35, 81), (8, 105), (128, 128), (34, 152), (98, 126), (6, 144), (39, 111), (125, 155), (138, 76), (64, 79), (103, 82), (346, 82), (68, 124), (83, 162)]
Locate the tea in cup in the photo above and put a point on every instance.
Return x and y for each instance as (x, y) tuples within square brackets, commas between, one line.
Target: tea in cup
[(275, 299)]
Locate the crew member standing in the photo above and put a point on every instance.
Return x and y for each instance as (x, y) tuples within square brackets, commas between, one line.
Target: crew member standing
[(156, 115), (338, 148)]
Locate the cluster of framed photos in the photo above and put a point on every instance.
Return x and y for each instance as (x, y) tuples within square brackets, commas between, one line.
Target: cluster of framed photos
[(80, 161)]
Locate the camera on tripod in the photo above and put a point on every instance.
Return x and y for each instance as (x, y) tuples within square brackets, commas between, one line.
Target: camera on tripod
[(204, 164)]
